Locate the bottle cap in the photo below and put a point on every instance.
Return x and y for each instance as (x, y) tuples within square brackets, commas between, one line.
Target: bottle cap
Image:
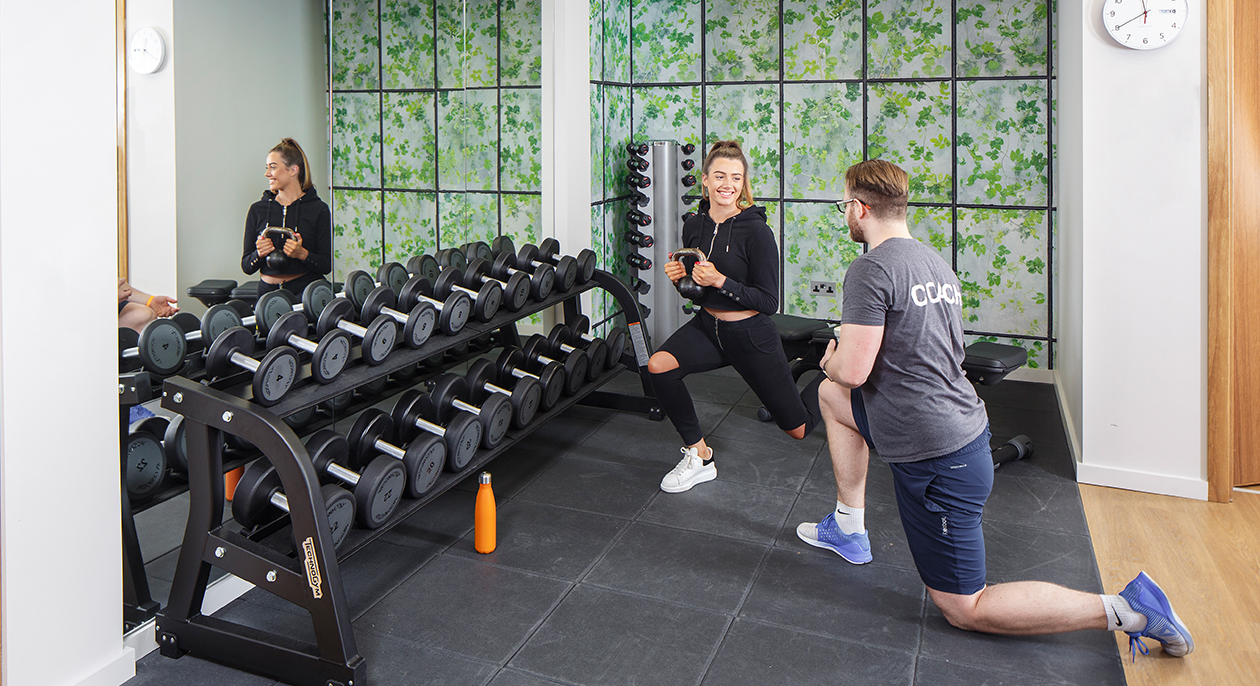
[(484, 478)]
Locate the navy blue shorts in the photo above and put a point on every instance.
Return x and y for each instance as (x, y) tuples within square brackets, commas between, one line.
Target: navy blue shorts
[(941, 502)]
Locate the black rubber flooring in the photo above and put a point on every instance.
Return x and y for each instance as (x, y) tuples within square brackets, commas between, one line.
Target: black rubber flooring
[(600, 578)]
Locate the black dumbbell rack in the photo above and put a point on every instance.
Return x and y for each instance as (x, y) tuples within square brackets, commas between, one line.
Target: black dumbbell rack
[(310, 576)]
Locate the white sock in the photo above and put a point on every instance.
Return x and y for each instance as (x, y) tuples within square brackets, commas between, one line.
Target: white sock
[(1121, 616), (850, 520)]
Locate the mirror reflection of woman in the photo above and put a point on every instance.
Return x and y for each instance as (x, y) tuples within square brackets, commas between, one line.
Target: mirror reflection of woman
[(288, 233)]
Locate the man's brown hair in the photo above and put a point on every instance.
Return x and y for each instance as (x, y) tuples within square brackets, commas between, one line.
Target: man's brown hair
[(882, 186)]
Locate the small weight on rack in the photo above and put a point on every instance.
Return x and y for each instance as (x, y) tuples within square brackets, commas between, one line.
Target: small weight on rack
[(273, 375), (412, 414), (422, 459), (585, 260), (417, 324), (530, 258), (524, 397), (376, 487), (259, 489), (515, 289), (328, 357), (453, 311), (449, 394), (486, 300), (551, 376), (559, 341), (575, 364), (378, 337)]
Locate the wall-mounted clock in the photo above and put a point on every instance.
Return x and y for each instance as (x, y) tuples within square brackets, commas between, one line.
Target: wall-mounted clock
[(1145, 24), (147, 51)]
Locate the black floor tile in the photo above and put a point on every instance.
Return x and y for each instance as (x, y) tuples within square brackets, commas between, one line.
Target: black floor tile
[(1018, 553), (723, 389), (1053, 504), (156, 670), (751, 513), (513, 677), (1019, 395), (476, 610), (276, 617), (879, 480), (163, 568), (1080, 657), (441, 523), (635, 440), (685, 567), (754, 653), (393, 661), (560, 434), (883, 526), (742, 425), (598, 636), (545, 540), (1045, 428), (512, 471), (932, 672), (871, 604), (595, 486), (764, 465)]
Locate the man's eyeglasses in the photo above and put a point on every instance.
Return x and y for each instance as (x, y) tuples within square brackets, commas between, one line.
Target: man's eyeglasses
[(843, 205)]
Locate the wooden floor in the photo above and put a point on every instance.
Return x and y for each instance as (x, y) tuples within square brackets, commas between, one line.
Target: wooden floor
[(1206, 556)]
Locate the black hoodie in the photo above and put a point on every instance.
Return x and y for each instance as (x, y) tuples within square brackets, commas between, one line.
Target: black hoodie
[(744, 250), (308, 216)]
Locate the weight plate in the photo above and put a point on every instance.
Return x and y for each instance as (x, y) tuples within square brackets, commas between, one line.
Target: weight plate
[(218, 319), (162, 347), (358, 285), (271, 307), (381, 336), (301, 418), (393, 275), (502, 244), (380, 298), (499, 422), (186, 321), (374, 387), (467, 442), (491, 299), (219, 356), (331, 356), (145, 465), (275, 376), (339, 505), (424, 265), (420, 324), (530, 401), (390, 480), (460, 310), (315, 297), (430, 464), (175, 444)]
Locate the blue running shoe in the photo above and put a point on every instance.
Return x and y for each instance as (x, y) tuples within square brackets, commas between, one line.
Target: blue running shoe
[(1162, 624), (855, 548)]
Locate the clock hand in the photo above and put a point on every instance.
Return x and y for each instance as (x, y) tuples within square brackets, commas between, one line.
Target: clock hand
[(1140, 16)]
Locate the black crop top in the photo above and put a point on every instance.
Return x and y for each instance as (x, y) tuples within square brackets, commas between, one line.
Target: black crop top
[(308, 216), (744, 250)]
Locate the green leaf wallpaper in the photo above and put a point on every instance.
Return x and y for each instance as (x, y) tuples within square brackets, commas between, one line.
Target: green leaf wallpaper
[(742, 40), (822, 40), (822, 137), (440, 101), (957, 92), (908, 39), (598, 124), (407, 44)]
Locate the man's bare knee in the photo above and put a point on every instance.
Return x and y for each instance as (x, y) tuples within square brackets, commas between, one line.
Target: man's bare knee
[(959, 610), (833, 400), (662, 362)]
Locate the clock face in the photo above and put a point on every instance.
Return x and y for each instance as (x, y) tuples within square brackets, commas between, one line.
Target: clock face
[(147, 50), (1144, 24)]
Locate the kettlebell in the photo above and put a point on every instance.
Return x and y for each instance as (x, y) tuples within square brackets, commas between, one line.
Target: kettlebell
[(279, 261), (687, 287)]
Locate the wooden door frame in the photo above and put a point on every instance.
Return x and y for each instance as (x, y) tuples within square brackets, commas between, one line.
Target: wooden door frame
[(1221, 420), (120, 40)]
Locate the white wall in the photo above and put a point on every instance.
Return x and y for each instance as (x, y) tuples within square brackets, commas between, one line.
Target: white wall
[(1132, 373), (59, 480), (240, 76), (249, 74)]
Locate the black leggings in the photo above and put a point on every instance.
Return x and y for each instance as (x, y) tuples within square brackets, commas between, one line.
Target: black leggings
[(753, 347), (295, 286)]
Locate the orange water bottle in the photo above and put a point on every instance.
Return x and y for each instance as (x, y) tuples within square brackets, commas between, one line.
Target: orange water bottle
[(484, 533)]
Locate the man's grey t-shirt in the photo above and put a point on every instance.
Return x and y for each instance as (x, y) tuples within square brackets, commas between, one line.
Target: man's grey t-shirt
[(919, 403)]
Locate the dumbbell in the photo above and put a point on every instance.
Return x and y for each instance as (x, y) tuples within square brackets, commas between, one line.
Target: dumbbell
[(422, 459), (377, 486), (524, 398), (575, 364), (392, 274), (328, 357), (550, 247), (273, 375), (449, 394), (559, 343), (315, 297), (486, 300), (639, 261), (515, 290), (378, 337), (159, 347), (452, 257), (413, 414), (357, 287), (477, 250), (550, 376), (530, 259), (541, 281), (453, 311), (259, 490), (615, 342), (144, 458), (424, 265), (417, 324)]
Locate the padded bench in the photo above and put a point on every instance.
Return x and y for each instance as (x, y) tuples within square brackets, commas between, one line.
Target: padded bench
[(212, 292)]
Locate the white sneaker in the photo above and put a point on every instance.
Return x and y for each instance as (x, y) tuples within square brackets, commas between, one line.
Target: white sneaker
[(690, 471)]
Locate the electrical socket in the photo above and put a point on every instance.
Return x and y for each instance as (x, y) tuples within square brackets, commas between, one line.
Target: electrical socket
[(822, 288)]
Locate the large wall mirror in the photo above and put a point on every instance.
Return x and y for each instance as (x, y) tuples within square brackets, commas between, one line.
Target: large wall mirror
[(432, 140)]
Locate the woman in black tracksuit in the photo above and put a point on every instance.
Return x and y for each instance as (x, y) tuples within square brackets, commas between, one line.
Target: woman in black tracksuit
[(733, 327), (290, 202)]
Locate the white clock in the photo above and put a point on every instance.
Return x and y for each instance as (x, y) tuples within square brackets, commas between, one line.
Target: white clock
[(147, 51), (1145, 24)]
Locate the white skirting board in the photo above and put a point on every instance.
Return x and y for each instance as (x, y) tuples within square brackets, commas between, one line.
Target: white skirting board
[(114, 671), (1129, 480), (220, 592)]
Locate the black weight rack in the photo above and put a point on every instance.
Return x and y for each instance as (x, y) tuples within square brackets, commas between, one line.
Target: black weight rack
[(310, 576)]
